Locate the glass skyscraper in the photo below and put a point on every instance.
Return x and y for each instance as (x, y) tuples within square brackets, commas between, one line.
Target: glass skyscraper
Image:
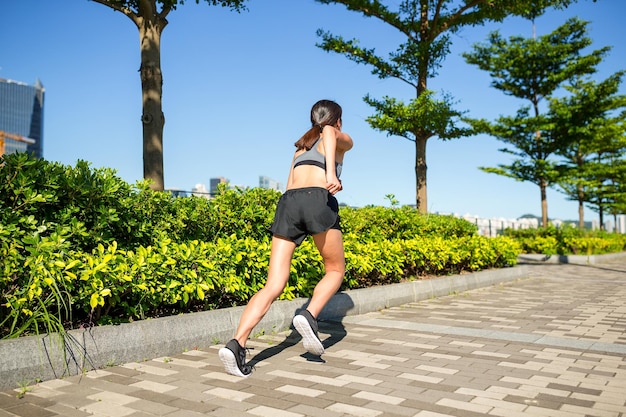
[(21, 116)]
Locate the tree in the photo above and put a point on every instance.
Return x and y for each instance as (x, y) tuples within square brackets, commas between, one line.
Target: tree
[(150, 17), (426, 26), (608, 171), (586, 121), (532, 69)]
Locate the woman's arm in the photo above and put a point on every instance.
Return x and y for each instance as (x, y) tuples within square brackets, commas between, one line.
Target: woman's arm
[(344, 141), (329, 140), (290, 177)]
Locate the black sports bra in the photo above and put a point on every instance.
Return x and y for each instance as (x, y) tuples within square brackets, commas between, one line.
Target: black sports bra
[(314, 157)]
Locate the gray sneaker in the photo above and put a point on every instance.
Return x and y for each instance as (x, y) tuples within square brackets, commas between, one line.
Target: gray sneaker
[(233, 356), (306, 325)]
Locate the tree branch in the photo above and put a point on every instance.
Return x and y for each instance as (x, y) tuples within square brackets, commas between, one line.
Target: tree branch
[(454, 17), (120, 7), (376, 10)]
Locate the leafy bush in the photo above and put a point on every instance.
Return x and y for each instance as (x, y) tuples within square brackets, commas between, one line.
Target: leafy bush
[(567, 240), (243, 213), (380, 223), (79, 246)]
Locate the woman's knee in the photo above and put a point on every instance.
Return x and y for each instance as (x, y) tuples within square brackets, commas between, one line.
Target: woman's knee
[(271, 292), (335, 266)]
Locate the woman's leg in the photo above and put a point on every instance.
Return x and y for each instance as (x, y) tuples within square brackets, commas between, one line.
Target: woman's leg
[(330, 246), (280, 263)]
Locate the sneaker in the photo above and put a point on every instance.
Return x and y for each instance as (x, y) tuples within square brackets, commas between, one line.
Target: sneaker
[(233, 356), (306, 325)]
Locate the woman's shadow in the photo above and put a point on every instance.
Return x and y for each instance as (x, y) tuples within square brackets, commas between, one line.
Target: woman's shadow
[(329, 322)]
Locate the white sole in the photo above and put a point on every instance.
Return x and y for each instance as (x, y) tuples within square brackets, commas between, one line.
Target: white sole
[(230, 363), (311, 343)]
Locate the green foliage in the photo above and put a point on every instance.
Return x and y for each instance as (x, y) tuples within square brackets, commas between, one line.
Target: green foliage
[(80, 247), (425, 28), (422, 114), (590, 124), (567, 240), (243, 213), (375, 223), (134, 5), (533, 69), (373, 263)]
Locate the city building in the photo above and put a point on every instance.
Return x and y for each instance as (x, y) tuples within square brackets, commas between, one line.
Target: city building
[(270, 184), (199, 190), (21, 117), (176, 192), (215, 182)]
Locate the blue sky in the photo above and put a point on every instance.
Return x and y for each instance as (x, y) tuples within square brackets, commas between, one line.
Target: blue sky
[(238, 89)]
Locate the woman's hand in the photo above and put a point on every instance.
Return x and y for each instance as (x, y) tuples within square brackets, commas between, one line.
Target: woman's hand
[(333, 184)]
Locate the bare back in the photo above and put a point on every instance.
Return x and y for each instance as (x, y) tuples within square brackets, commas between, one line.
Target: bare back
[(310, 175)]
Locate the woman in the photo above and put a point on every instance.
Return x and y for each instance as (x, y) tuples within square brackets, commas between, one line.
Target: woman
[(308, 207)]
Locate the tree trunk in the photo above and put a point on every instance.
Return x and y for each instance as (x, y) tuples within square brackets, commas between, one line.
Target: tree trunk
[(150, 23), (601, 215), (581, 207), (581, 215), (421, 136), (421, 196), (544, 203), (150, 28)]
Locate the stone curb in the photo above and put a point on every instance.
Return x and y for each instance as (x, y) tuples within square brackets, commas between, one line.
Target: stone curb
[(571, 259), (45, 357)]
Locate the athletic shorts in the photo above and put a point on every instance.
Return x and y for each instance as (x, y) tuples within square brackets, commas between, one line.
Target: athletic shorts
[(305, 211)]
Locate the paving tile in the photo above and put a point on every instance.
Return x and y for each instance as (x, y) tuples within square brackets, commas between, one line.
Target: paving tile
[(229, 394), (185, 413), (380, 398), (153, 396), (353, 410), (152, 408), (30, 410), (153, 386), (264, 411), (188, 405), (9, 399), (313, 411), (308, 392), (66, 411), (102, 408)]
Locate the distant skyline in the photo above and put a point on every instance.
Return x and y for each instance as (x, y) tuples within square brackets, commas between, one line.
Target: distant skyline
[(238, 89)]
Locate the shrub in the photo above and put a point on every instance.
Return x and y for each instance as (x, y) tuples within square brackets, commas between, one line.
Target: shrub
[(567, 240), (79, 247), (380, 223)]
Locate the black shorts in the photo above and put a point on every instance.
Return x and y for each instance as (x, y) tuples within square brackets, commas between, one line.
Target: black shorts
[(305, 211)]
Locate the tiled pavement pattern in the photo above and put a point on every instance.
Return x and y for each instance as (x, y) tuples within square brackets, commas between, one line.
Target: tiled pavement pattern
[(551, 345)]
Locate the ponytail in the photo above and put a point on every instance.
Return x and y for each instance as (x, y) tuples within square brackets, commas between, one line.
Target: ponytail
[(323, 113), (309, 138)]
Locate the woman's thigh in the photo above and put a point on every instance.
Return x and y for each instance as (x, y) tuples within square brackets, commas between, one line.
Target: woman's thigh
[(330, 246), (280, 264)]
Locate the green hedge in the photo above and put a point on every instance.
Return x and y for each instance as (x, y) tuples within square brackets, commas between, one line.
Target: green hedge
[(377, 223), (567, 240), (79, 247), (111, 284)]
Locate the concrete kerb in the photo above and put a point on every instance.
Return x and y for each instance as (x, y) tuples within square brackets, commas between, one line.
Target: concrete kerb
[(571, 259), (41, 358)]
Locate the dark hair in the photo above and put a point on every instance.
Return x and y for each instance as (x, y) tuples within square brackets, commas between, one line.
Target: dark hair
[(324, 112)]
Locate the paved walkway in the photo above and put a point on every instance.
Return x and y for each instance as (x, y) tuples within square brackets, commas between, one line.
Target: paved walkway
[(552, 345)]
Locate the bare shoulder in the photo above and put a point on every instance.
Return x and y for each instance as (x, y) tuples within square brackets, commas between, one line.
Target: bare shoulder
[(344, 141)]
